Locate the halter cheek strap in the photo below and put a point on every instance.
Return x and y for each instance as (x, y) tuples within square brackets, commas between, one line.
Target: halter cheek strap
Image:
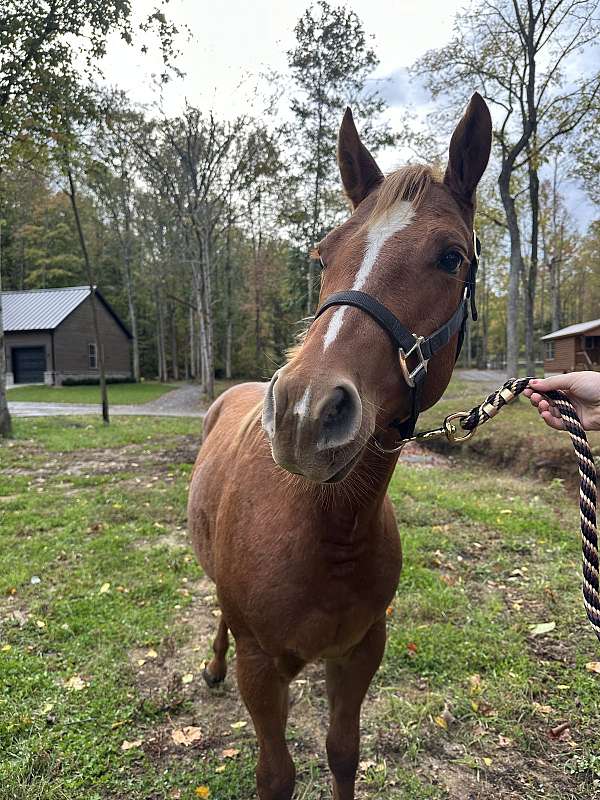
[(410, 345)]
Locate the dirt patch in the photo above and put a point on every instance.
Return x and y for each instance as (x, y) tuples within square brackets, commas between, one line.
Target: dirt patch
[(132, 458)]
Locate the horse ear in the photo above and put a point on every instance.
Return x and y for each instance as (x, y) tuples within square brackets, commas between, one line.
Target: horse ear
[(358, 168), (470, 148)]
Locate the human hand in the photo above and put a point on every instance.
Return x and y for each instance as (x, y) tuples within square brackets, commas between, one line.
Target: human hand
[(582, 389)]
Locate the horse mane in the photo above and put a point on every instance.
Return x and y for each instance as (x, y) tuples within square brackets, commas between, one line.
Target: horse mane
[(410, 183)]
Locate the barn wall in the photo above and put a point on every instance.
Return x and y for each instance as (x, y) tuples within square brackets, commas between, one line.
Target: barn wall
[(564, 356), (72, 337), (32, 339)]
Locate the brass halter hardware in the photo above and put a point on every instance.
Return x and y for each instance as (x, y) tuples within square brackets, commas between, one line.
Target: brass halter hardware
[(448, 430)]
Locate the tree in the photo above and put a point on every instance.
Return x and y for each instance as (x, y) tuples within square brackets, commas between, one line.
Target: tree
[(48, 54), (516, 52), (330, 65)]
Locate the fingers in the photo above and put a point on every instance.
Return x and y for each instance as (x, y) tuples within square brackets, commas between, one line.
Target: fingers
[(546, 409), (563, 382), (552, 421)]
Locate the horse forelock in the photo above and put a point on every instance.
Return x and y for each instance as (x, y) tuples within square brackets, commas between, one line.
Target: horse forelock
[(410, 183)]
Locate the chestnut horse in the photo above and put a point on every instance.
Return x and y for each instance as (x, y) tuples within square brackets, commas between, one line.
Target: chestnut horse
[(289, 516)]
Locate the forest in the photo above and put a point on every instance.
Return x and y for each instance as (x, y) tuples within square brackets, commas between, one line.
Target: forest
[(199, 230)]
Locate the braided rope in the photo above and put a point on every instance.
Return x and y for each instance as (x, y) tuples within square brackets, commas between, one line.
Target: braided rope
[(587, 473)]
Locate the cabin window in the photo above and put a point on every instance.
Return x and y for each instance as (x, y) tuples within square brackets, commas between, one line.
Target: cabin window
[(92, 355), (550, 350), (592, 342)]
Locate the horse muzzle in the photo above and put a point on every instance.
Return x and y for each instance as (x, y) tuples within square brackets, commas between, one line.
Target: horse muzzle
[(316, 428)]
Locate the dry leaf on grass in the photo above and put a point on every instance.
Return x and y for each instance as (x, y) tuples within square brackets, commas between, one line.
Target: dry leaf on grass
[(230, 752), (593, 666), (187, 678), (76, 683), (542, 628), (202, 791), (238, 725), (186, 736), (561, 732), (151, 654), (131, 745)]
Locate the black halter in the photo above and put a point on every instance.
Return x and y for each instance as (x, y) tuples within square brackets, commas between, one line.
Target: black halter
[(409, 345)]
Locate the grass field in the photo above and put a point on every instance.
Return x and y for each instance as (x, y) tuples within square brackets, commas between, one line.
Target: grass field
[(118, 393), (105, 620)]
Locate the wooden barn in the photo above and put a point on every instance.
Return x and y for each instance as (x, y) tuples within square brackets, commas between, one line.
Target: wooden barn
[(576, 347), (49, 336)]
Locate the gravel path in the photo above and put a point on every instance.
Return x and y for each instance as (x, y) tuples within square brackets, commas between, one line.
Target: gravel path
[(182, 402)]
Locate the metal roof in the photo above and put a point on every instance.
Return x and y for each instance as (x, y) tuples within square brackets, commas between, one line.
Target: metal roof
[(573, 330), (40, 309)]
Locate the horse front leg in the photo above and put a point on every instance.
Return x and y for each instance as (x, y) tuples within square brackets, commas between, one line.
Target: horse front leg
[(264, 685), (348, 679)]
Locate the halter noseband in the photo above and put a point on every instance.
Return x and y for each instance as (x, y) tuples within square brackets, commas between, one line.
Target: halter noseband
[(410, 344)]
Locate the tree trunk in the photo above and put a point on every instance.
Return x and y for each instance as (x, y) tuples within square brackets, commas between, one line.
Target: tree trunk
[(228, 345), (174, 353), (193, 370), (160, 337), (516, 263), (5, 423), (90, 277)]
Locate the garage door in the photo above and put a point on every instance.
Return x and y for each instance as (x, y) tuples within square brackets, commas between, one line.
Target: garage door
[(29, 364)]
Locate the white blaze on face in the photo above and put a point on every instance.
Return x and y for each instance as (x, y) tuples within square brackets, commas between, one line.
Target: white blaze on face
[(301, 406), (379, 232)]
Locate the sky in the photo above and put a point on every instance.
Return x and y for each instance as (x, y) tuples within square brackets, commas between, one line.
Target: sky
[(233, 43)]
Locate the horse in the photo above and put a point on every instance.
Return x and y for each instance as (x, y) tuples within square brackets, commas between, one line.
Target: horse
[(288, 511)]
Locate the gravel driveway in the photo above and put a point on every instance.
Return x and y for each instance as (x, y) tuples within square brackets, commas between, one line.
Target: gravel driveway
[(182, 402)]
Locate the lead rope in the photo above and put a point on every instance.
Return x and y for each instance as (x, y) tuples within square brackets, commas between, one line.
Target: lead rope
[(587, 473)]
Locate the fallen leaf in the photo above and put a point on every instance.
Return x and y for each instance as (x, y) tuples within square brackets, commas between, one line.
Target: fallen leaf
[(76, 683), (542, 709), (230, 752), (6, 647), (542, 628), (504, 741), (187, 678), (141, 662), (441, 722), (40, 623), (561, 732), (389, 611), (202, 792), (46, 709), (104, 588), (186, 736), (412, 648), (131, 745), (365, 765), (487, 761), (152, 654), (475, 683), (593, 666), (238, 725), (221, 768)]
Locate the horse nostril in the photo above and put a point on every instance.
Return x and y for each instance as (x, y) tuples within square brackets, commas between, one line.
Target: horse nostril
[(340, 417)]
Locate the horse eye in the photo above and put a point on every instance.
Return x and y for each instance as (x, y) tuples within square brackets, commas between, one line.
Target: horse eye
[(451, 261)]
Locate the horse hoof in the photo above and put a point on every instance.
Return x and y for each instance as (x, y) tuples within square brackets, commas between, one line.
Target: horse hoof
[(210, 680)]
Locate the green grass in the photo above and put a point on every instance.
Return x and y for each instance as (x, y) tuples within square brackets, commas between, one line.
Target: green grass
[(118, 393), (463, 704)]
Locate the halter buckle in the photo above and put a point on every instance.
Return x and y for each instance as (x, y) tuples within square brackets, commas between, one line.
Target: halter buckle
[(410, 375)]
